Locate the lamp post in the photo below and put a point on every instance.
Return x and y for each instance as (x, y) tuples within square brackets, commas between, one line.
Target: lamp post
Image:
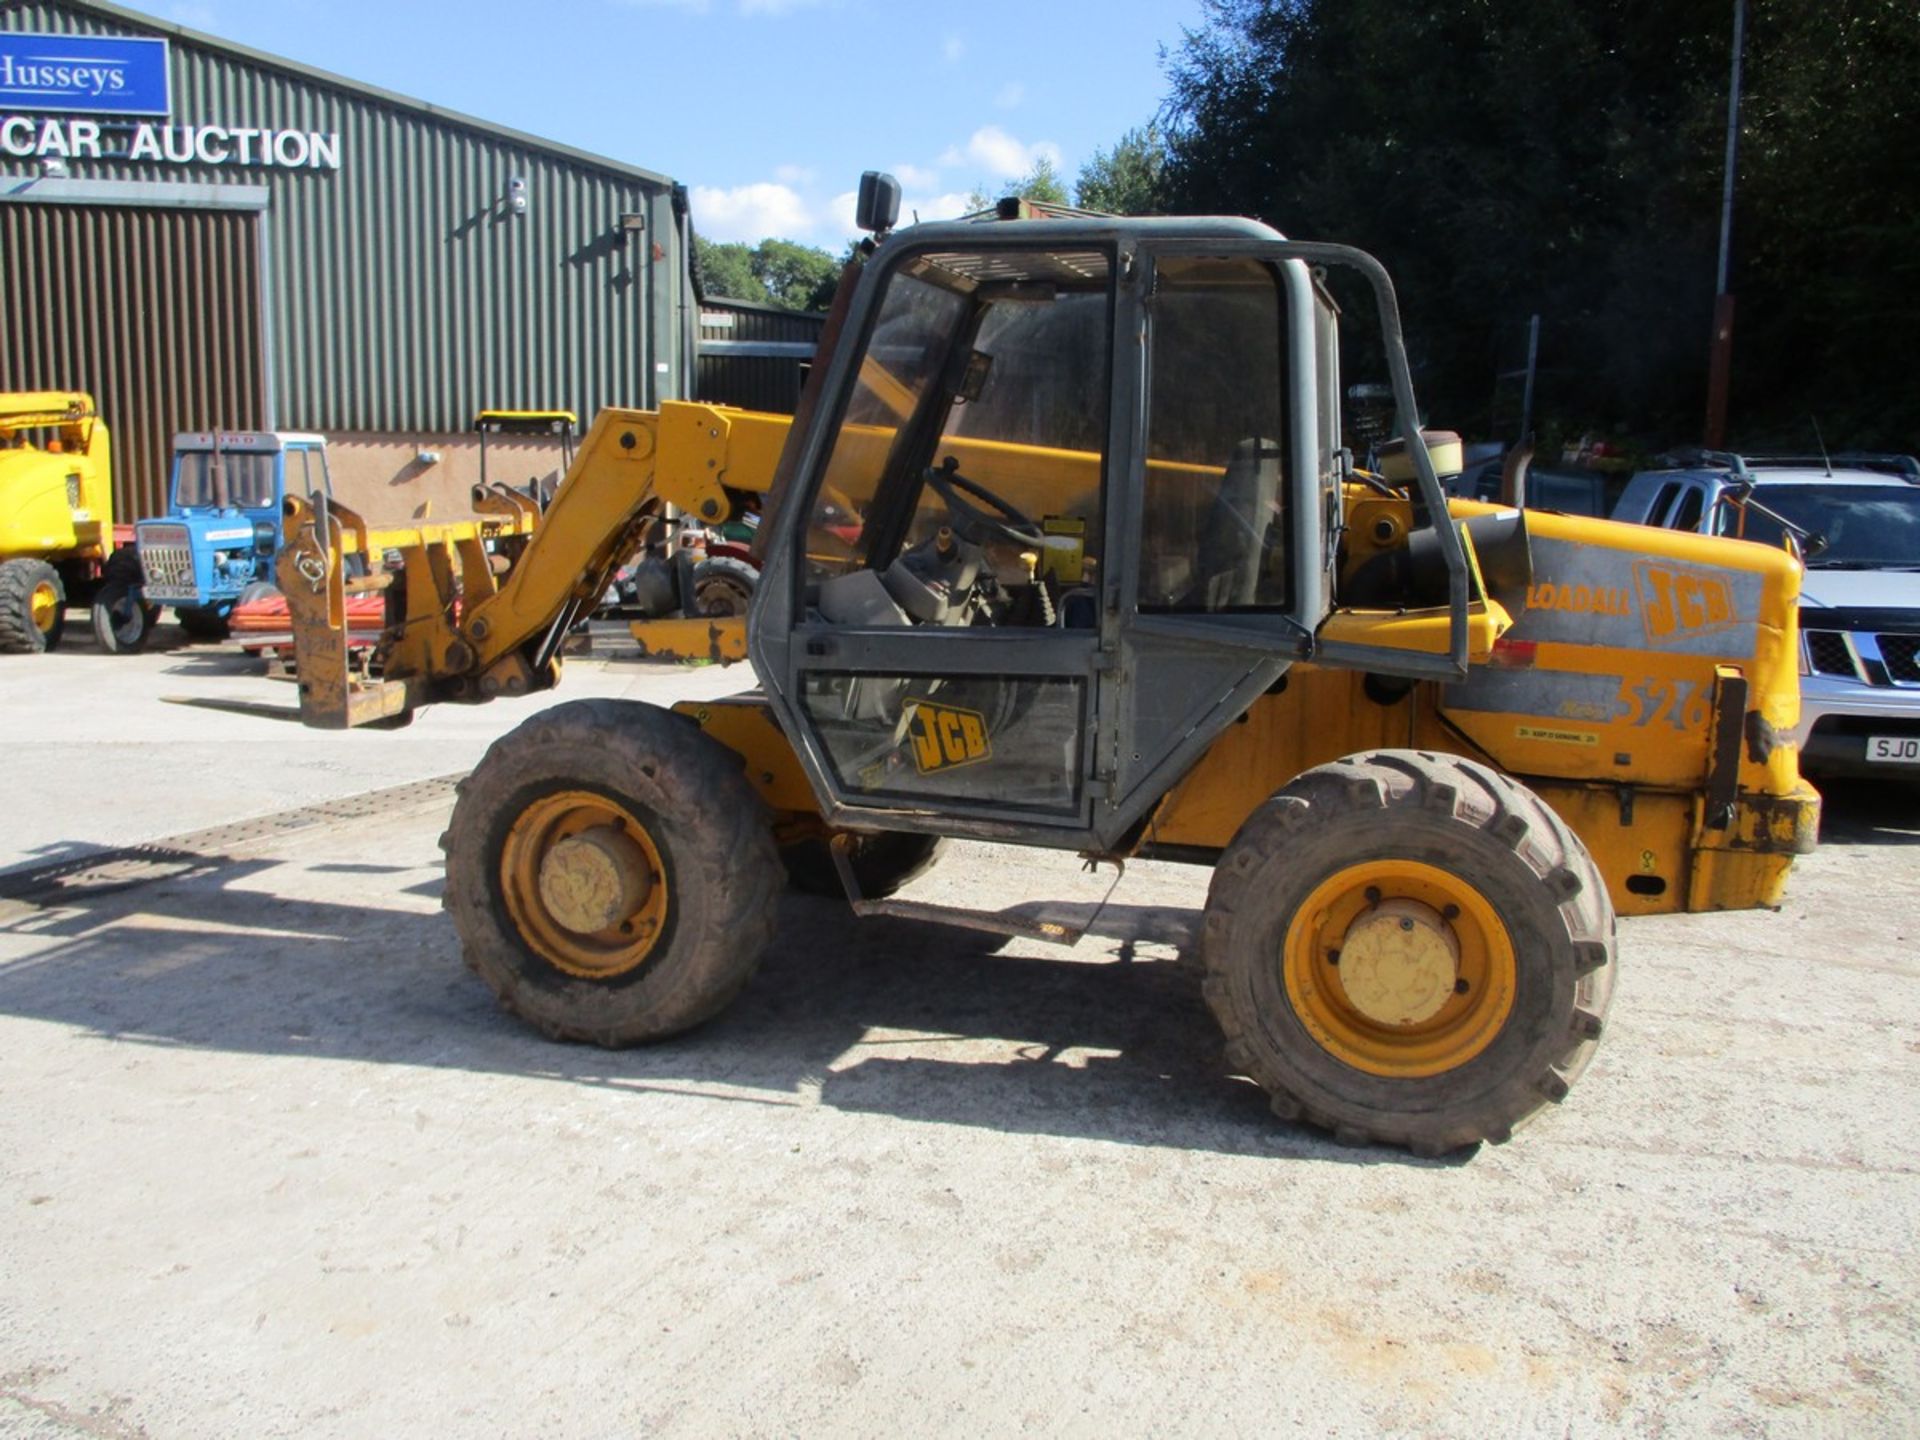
[(1720, 357)]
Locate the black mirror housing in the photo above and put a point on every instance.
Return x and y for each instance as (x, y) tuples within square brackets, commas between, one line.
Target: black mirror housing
[(878, 207)]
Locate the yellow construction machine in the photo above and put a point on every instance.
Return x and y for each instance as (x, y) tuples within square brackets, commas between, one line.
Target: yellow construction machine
[(56, 512), (1064, 550)]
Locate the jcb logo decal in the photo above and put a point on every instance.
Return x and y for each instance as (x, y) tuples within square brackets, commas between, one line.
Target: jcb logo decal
[(945, 737), (1677, 601)]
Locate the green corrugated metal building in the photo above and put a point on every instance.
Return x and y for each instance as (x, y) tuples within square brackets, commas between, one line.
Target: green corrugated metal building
[(285, 248)]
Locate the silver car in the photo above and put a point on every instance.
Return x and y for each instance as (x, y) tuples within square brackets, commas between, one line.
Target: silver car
[(1855, 521)]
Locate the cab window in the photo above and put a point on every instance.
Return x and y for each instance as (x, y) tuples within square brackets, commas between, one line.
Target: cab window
[(966, 478), (1214, 528)]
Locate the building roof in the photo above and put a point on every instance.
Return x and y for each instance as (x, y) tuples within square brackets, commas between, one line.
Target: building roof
[(135, 20)]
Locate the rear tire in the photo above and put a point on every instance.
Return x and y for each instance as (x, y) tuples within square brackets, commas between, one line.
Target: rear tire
[(681, 868), (204, 622), (33, 607), (1328, 930), (883, 862)]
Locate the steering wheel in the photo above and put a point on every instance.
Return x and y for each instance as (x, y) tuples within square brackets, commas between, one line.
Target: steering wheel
[(974, 523)]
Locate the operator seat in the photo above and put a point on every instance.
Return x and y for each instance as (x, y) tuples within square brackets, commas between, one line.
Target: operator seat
[(1234, 540)]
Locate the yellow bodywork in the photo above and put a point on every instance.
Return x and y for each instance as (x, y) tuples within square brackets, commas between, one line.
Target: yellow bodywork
[(1640, 682), (56, 477)]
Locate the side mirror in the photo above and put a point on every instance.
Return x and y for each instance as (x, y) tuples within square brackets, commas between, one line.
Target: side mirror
[(879, 204)]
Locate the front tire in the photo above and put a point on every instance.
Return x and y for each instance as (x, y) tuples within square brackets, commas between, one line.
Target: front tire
[(121, 619), (33, 607), (1409, 948), (611, 873)]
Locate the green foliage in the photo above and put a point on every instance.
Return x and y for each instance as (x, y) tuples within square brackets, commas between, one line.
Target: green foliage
[(780, 272), (727, 270), (1564, 157), (800, 277), (1128, 179), (1042, 183)]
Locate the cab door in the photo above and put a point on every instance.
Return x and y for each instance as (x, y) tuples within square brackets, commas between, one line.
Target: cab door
[(932, 611)]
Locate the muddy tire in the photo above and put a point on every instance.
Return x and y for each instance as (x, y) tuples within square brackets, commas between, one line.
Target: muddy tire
[(883, 862), (1410, 949), (33, 607), (611, 873)]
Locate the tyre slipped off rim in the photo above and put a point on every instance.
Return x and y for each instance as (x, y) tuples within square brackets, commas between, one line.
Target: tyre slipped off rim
[(1399, 968), (584, 884)]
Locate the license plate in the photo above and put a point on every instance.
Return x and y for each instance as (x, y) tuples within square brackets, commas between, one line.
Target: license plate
[(171, 592), (1894, 749)]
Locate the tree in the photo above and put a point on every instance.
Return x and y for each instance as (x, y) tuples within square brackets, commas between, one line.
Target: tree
[(1042, 183), (727, 270), (1563, 157), (778, 272), (1126, 180), (799, 277)]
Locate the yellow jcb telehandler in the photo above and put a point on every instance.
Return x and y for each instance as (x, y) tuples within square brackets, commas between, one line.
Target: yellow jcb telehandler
[(1064, 549)]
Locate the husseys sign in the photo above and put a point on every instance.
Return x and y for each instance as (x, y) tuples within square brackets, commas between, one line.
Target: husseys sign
[(47, 81), (93, 74)]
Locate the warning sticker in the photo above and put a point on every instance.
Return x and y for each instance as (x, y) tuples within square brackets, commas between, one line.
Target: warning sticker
[(1557, 737)]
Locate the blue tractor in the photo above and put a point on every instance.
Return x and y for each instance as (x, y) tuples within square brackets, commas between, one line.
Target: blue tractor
[(214, 548)]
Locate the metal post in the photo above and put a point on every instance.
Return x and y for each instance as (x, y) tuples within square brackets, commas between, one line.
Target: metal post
[(1526, 395), (1720, 358)]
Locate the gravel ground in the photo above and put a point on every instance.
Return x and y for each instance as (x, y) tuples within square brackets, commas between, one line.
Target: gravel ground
[(273, 1164)]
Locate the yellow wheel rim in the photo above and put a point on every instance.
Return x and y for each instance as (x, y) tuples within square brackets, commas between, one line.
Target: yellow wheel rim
[(45, 605), (1429, 968), (584, 884)]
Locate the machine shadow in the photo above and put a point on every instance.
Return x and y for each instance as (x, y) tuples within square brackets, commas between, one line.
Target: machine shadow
[(1869, 812), (1093, 1044)]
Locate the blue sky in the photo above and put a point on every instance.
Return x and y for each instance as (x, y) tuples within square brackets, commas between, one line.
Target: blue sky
[(768, 110)]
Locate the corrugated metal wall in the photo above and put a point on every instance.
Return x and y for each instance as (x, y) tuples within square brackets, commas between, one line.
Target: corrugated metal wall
[(155, 312), (402, 292), (754, 355)]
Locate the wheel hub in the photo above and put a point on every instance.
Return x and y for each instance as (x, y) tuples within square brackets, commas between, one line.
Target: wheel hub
[(592, 881), (44, 605), (1399, 963)]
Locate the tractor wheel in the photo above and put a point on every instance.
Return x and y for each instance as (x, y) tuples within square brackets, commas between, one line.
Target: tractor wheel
[(204, 622), (883, 862), (33, 607), (1409, 948), (121, 620), (723, 585), (611, 873)]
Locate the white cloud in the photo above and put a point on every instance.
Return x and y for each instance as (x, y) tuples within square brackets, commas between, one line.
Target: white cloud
[(916, 177), (952, 49), (793, 174), (751, 213), (1009, 95), (948, 206), (999, 154)]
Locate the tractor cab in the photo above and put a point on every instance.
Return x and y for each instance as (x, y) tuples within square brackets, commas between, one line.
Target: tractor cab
[(1073, 505), (222, 527)]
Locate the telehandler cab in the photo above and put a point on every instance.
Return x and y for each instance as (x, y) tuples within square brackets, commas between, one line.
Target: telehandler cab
[(1063, 549)]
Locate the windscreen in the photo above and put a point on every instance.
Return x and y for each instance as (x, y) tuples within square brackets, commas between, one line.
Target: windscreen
[(206, 479), (1866, 527)]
